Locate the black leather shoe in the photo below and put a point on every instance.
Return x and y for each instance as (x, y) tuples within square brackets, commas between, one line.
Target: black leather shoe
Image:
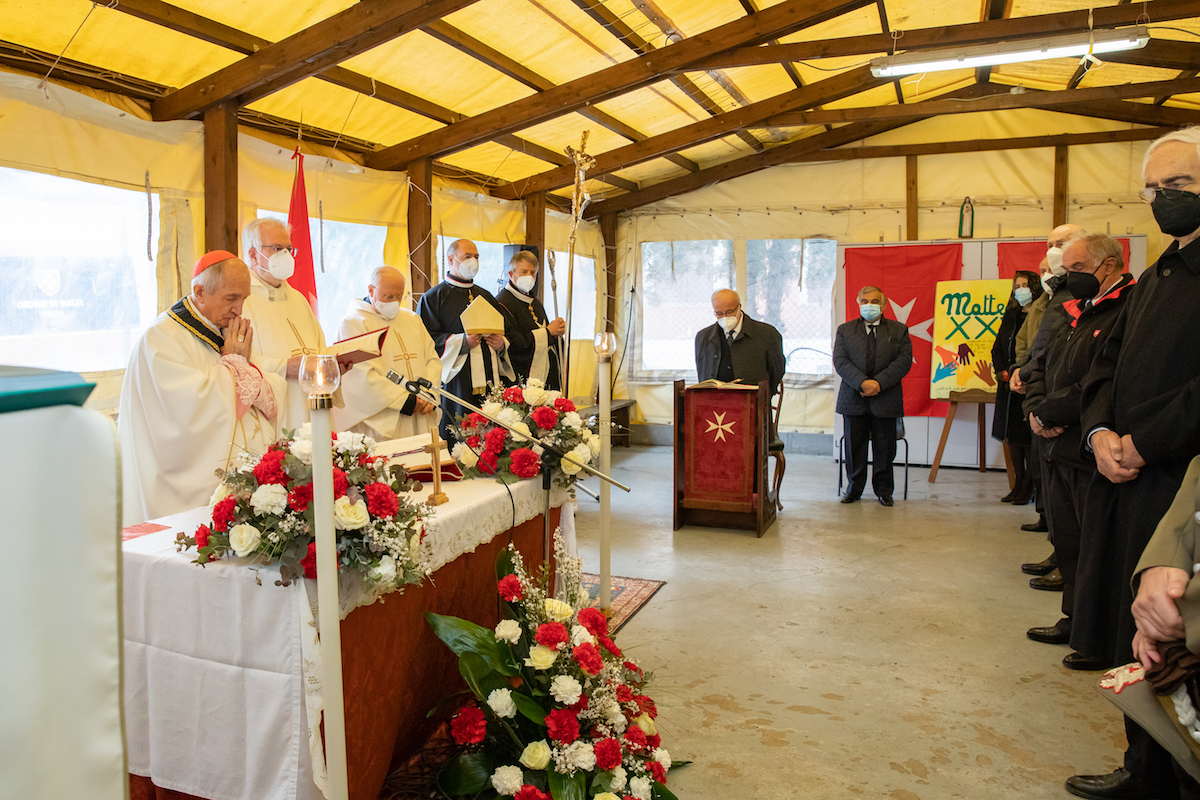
[(1052, 581), (1036, 527), (1051, 635), (1041, 567), (1118, 785), (1079, 661), (851, 498), (886, 500)]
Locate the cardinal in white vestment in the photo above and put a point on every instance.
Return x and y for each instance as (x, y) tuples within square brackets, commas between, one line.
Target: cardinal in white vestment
[(285, 328), (538, 356), (192, 398), (373, 404)]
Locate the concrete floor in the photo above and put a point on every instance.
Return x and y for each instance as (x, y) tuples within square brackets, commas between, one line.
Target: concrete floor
[(853, 651)]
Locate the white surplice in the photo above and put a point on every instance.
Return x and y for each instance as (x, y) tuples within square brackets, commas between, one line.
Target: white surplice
[(284, 326), (370, 398), (178, 422)]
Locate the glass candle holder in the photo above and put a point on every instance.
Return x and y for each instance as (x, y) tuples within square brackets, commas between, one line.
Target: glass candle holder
[(319, 376)]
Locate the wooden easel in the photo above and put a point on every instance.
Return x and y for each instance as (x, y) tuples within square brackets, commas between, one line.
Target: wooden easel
[(970, 396), (435, 448)]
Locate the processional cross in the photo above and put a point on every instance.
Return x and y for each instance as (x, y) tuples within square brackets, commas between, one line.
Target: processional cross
[(579, 201)]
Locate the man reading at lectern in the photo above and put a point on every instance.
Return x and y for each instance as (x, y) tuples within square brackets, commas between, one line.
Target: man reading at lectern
[(871, 355), (737, 347)]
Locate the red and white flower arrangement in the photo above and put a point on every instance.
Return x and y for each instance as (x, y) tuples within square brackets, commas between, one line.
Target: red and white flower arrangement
[(263, 510), (559, 712), (542, 415)]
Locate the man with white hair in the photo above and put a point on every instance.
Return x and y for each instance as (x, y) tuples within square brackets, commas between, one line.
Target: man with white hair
[(1140, 420), (192, 398), (286, 329), (373, 404), (536, 357)]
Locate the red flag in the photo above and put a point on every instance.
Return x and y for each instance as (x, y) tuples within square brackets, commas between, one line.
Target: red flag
[(304, 279), (1012, 256), (908, 275)]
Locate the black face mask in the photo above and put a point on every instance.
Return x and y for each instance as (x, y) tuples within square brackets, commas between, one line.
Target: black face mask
[(1082, 285), (1177, 215)]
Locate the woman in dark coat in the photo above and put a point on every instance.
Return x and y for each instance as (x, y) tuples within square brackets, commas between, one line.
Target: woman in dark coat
[(1009, 424)]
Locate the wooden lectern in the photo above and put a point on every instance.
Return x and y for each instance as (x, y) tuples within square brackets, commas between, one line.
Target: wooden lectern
[(721, 439)]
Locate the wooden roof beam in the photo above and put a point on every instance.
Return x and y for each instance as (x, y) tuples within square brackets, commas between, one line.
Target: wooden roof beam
[(828, 90), (1013, 28), (359, 28), (779, 20), (1161, 53), (1136, 113)]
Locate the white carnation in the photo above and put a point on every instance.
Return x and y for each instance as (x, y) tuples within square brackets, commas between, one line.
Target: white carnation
[(244, 538), (385, 572), (302, 449), (565, 689), (572, 420), (640, 787), (304, 432), (491, 408), (500, 701), (508, 780), (580, 635), (663, 757), (464, 455), (509, 416), (618, 779), (347, 441), (535, 383), (219, 494), (551, 396), (580, 755), (509, 630), (613, 715), (270, 498)]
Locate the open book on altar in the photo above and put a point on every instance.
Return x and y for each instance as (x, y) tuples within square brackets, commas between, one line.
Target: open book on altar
[(363, 347), (413, 453), (713, 383)]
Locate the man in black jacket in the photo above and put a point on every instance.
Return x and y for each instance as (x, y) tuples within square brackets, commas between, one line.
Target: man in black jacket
[(871, 355), (1096, 280), (737, 347)]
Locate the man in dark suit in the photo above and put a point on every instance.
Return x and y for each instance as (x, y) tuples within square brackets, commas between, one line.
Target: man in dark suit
[(738, 347), (871, 355)]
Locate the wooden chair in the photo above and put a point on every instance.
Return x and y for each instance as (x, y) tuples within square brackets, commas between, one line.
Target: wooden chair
[(775, 449)]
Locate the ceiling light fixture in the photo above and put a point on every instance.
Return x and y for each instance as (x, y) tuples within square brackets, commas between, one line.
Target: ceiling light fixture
[(1074, 45)]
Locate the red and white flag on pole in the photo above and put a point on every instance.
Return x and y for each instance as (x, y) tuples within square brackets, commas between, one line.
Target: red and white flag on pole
[(304, 279)]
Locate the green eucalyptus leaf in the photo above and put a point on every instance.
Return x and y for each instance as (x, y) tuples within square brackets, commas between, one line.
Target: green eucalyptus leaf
[(463, 636), (466, 774), (564, 787)]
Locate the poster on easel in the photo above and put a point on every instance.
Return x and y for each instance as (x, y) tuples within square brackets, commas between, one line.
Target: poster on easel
[(966, 319)]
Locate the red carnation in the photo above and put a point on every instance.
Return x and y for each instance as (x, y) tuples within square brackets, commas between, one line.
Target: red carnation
[(202, 534), (510, 588), (381, 500), (495, 440), (487, 462), (473, 441), (551, 634), (646, 705), (624, 694), (545, 417), (223, 513), (588, 658), (608, 754), (594, 620), (531, 792), (270, 468), (309, 562), (468, 726), (300, 497), (513, 394), (656, 769), (474, 420), (654, 742), (562, 726), (340, 483), (635, 738), (580, 705), (525, 463), (610, 646), (564, 405)]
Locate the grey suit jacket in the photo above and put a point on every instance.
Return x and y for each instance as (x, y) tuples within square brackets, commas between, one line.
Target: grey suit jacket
[(893, 360), (757, 354)]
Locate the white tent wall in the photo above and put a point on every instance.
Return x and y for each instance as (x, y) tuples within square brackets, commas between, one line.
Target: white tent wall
[(864, 201)]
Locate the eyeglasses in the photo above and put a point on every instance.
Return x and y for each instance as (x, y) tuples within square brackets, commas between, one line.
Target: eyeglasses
[(1148, 194), (272, 249), (720, 314)]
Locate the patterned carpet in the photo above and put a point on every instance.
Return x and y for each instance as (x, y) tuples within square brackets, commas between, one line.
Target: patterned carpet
[(628, 596)]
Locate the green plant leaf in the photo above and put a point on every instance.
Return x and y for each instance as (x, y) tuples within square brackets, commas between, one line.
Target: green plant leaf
[(531, 709), (660, 792), (563, 787), (462, 636), (504, 564), (482, 679), (466, 774)]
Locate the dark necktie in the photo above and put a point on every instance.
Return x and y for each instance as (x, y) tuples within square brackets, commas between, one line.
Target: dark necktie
[(729, 337), (871, 340)]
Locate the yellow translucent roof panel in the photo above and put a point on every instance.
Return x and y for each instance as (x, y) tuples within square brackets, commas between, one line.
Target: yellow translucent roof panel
[(653, 172), (655, 109), (268, 19), (1114, 74), (496, 161), (559, 132), (859, 22), (1025, 8), (753, 83)]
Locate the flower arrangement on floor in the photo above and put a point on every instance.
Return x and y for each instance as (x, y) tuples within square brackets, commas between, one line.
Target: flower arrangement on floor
[(485, 448), (263, 509), (560, 713)]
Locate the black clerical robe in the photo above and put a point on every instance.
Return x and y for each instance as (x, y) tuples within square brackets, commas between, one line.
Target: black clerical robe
[(536, 354)]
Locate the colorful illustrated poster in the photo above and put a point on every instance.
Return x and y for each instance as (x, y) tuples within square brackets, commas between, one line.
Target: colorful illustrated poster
[(966, 319)]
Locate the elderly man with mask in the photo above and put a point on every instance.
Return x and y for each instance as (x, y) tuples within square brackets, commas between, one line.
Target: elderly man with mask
[(470, 361), (373, 404), (537, 356), (193, 399), (1140, 422)]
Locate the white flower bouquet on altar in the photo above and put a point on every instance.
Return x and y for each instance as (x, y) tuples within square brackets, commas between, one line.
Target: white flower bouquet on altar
[(263, 509), (558, 712), (485, 448)]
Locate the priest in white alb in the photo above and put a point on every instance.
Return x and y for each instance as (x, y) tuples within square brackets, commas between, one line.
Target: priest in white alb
[(373, 404), (285, 327), (193, 398)]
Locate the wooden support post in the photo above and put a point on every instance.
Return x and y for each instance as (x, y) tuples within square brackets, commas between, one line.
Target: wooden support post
[(1060, 184), (608, 231), (910, 197), (535, 234), (221, 178), (421, 244)]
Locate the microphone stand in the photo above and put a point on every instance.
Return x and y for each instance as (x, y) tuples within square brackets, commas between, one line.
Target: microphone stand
[(437, 394)]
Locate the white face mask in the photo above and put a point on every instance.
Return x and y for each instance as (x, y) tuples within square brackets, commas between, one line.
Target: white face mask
[(728, 323), (1054, 259), (525, 283), (281, 265), (468, 268), (1046, 284), (388, 310)]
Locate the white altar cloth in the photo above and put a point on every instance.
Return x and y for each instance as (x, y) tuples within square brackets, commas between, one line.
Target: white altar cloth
[(214, 704)]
